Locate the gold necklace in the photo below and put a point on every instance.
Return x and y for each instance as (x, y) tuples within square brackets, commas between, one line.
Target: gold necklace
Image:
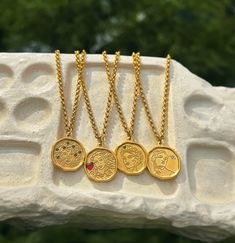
[(67, 153), (131, 156), (101, 163), (163, 161)]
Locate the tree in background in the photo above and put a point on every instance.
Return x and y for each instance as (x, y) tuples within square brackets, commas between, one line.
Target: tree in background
[(199, 34)]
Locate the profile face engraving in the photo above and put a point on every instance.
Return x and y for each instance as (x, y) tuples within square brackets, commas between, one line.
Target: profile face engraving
[(163, 162), (160, 157)]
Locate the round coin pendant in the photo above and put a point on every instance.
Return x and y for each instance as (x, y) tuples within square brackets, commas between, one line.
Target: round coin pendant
[(101, 165), (163, 163), (131, 158), (68, 154)]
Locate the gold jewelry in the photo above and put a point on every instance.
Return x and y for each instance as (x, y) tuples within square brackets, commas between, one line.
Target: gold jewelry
[(163, 161), (131, 156), (67, 153), (101, 163)]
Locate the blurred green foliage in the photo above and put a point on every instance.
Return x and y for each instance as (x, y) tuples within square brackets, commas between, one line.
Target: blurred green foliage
[(71, 234), (199, 34)]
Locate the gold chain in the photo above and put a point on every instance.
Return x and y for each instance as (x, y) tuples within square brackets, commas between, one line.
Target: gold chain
[(129, 130), (164, 116), (111, 78), (69, 124)]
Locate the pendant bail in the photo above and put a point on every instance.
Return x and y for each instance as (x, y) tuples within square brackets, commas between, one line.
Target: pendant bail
[(130, 137), (69, 132), (100, 142), (160, 140)]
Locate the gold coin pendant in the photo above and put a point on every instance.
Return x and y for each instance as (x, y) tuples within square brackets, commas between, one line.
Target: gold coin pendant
[(163, 162), (131, 158), (68, 154), (101, 165)]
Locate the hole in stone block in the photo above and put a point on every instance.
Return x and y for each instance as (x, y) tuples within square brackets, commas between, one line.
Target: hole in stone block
[(33, 113), (38, 77), (19, 162), (6, 77), (201, 107), (211, 172)]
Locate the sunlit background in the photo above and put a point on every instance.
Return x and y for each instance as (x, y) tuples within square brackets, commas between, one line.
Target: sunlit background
[(198, 34)]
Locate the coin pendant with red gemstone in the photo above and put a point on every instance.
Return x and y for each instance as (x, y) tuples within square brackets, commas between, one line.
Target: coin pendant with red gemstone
[(101, 165)]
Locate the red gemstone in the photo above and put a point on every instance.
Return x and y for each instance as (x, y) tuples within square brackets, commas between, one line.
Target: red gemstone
[(90, 166)]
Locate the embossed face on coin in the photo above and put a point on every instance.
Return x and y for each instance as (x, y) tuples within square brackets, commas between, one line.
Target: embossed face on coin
[(68, 154), (163, 163), (101, 165), (160, 158), (131, 158)]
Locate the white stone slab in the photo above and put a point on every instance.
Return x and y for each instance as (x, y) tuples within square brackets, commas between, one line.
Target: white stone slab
[(199, 203)]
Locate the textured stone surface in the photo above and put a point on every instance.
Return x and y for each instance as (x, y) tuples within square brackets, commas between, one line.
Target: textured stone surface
[(199, 203)]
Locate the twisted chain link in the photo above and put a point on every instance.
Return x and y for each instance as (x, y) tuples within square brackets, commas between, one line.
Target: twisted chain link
[(138, 90), (69, 124), (165, 103), (111, 78), (164, 113), (128, 129)]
